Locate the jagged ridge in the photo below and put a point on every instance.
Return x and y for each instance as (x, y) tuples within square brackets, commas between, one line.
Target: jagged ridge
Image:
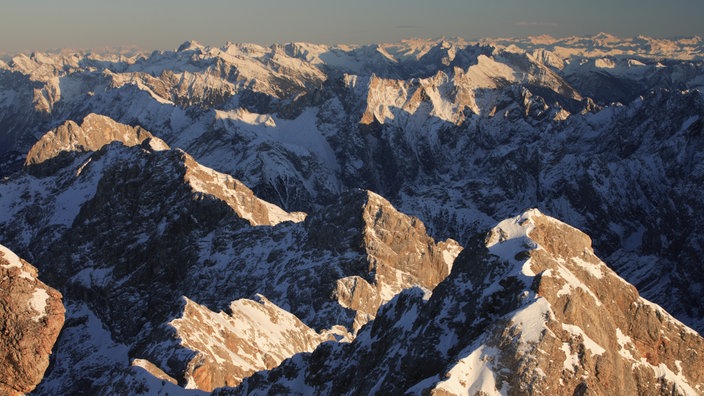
[(458, 134), (532, 311), (136, 229)]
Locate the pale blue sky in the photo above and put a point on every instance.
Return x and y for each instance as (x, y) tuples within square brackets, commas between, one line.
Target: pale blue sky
[(160, 24)]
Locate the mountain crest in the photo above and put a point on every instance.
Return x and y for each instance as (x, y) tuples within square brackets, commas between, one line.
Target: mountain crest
[(575, 310), (398, 252), (240, 198), (94, 132), (190, 45), (529, 310)]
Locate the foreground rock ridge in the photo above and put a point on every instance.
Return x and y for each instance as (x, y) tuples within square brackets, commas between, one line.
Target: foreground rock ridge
[(532, 311), (310, 218), (31, 316)]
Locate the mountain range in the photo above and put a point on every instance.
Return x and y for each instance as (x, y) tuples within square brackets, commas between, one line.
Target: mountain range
[(306, 218)]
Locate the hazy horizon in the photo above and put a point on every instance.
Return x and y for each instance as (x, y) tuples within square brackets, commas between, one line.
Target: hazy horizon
[(43, 25)]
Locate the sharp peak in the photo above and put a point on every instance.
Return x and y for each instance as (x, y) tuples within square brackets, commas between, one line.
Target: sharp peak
[(364, 198), (604, 35), (532, 227)]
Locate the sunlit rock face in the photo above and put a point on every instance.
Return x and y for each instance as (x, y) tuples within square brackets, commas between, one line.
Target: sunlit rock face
[(528, 309), (31, 316)]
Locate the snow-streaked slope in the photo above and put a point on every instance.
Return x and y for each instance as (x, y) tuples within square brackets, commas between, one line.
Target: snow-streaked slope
[(140, 228), (499, 325)]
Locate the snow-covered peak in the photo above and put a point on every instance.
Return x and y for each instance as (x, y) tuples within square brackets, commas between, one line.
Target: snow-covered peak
[(603, 44), (190, 45), (511, 236)]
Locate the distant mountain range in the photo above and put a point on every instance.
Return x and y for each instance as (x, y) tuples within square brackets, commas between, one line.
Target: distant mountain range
[(306, 218)]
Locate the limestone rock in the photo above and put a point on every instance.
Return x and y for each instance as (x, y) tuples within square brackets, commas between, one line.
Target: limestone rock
[(256, 335), (31, 316), (95, 132), (398, 253), (236, 194)]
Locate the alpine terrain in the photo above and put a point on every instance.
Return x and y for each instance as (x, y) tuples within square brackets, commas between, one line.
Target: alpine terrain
[(390, 218)]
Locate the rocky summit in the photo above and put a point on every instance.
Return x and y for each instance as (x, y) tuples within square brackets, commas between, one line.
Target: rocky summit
[(312, 219)]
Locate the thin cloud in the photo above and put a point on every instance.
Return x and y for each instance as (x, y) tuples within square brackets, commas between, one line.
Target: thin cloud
[(536, 24), (408, 27)]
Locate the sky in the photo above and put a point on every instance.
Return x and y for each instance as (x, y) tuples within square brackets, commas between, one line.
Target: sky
[(40, 25)]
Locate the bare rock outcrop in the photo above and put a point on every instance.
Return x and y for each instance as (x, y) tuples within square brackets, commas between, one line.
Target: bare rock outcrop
[(397, 251), (94, 132), (31, 316)]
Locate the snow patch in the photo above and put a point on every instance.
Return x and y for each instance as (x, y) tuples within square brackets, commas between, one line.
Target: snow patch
[(13, 261), (661, 371), (594, 270), (577, 331), (38, 303), (623, 340), (572, 282), (532, 321), (474, 374), (571, 359)]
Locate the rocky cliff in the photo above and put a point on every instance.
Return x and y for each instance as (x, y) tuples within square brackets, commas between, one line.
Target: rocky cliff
[(528, 310), (94, 132), (31, 316)]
